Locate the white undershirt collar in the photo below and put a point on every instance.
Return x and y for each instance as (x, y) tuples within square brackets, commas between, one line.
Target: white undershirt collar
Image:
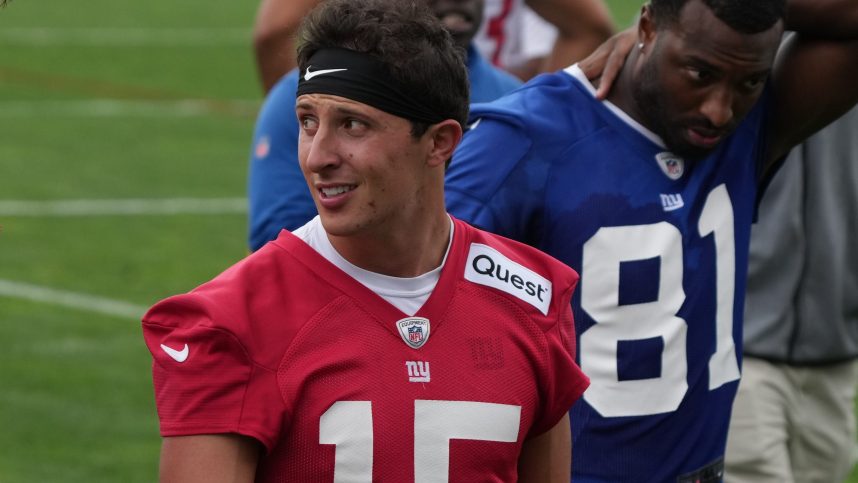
[(407, 294)]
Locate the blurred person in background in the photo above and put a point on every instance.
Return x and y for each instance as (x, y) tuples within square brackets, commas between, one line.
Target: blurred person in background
[(511, 37), (528, 37), (794, 414), (277, 196)]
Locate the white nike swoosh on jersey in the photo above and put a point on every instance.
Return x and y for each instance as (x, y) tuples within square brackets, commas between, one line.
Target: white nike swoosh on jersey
[(309, 75), (178, 356)]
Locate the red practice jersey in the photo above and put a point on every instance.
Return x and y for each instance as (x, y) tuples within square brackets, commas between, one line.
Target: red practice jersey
[(339, 385)]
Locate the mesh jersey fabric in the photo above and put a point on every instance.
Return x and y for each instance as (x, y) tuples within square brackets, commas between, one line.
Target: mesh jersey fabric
[(285, 348)]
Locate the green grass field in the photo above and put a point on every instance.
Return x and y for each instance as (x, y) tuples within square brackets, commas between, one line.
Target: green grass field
[(108, 99), (151, 102)]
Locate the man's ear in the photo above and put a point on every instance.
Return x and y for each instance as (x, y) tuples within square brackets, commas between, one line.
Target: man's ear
[(646, 26), (444, 137)]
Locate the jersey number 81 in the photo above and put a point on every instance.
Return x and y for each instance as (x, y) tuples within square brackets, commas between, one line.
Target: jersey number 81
[(600, 280)]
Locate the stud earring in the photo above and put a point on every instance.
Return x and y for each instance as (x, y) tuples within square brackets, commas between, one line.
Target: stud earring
[(640, 46)]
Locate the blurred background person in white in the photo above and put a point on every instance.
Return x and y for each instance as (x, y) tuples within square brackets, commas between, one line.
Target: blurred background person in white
[(510, 37)]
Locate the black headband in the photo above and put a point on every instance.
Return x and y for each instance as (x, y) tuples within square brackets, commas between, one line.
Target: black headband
[(362, 78)]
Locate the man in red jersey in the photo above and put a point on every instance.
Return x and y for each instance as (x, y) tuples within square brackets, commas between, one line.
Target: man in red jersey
[(384, 340)]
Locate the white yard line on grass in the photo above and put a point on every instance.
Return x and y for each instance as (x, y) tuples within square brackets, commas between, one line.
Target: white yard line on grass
[(127, 108), (167, 206), (75, 300), (125, 37)]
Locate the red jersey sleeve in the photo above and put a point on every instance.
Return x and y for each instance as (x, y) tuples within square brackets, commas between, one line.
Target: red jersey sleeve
[(205, 380), (561, 381), (564, 383)]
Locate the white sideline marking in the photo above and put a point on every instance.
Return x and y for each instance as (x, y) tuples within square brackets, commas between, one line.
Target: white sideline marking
[(126, 37), (91, 303), (128, 108), (168, 206)]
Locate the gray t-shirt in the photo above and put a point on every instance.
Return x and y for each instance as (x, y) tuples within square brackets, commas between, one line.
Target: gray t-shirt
[(802, 300)]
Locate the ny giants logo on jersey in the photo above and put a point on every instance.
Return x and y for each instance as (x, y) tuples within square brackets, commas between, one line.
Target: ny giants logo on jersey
[(414, 331), (672, 202), (486, 266), (418, 371)]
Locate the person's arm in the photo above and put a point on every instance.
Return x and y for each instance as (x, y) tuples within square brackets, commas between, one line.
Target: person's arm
[(274, 31), (814, 73), (208, 458), (547, 458), (582, 25), (212, 384)]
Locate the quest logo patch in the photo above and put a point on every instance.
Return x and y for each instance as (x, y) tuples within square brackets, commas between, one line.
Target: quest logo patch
[(487, 266)]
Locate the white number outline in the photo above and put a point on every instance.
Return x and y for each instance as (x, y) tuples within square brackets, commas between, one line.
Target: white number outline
[(348, 425)]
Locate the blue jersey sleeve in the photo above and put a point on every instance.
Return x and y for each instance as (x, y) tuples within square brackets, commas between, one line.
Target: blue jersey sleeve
[(277, 193), (491, 182)]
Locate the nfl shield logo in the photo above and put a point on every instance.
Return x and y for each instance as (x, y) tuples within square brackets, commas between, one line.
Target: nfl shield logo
[(415, 334), (414, 331), (672, 165)]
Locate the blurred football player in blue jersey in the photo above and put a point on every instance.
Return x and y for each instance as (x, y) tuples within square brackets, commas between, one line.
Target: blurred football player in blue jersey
[(277, 192), (650, 195)]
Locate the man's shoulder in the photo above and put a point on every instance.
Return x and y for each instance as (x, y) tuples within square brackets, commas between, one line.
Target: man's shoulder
[(270, 295), (524, 273), (549, 108), (531, 257), (549, 92), (522, 136), (269, 285)]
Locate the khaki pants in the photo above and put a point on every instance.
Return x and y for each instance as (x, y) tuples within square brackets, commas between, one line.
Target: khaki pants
[(792, 424)]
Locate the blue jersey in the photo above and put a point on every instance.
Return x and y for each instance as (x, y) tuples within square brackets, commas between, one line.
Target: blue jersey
[(278, 195), (661, 245)]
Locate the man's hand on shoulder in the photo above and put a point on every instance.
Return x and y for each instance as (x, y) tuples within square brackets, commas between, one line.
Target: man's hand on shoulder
[(605, 63)]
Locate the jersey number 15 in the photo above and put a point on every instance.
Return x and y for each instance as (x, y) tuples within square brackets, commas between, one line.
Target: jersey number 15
[(348, 425)]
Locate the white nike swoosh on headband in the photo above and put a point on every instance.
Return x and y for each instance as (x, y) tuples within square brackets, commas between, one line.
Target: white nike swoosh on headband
[(309, 75)]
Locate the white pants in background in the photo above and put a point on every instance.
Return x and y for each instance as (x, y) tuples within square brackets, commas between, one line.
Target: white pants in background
[(792, 424)]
